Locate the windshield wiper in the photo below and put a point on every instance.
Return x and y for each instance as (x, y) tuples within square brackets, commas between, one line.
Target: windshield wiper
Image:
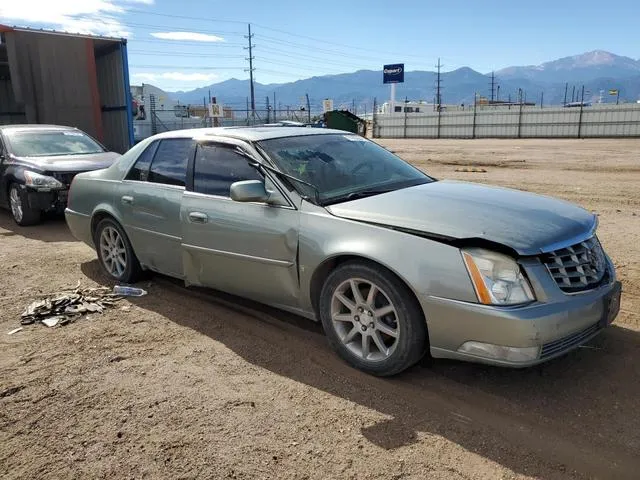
[(356, 195)]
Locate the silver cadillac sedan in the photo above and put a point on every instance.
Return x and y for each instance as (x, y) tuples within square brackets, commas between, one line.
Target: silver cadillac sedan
[(332, 226)]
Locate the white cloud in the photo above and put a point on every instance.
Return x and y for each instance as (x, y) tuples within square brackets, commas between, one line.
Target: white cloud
[(191, 36), (98, 17), (179, 76)]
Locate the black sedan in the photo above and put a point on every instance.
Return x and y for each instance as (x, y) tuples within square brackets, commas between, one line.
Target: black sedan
[(38, 163)]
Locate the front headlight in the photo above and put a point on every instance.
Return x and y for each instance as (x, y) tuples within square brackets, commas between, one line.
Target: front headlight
[(41, 182), (497, 278)]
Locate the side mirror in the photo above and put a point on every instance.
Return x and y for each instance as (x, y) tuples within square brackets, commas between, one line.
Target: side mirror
[(249, 191)]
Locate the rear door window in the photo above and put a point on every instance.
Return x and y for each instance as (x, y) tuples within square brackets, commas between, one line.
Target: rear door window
[(169, 165), (140, 170), (216, 168)]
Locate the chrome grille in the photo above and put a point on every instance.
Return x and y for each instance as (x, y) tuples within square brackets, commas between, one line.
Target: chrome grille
[(579, 267)]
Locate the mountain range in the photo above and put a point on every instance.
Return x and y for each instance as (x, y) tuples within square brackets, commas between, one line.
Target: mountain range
[(597, 71)]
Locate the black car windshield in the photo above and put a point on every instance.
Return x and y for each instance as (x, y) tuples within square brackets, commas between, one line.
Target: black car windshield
[(342, 167), (42, 143)]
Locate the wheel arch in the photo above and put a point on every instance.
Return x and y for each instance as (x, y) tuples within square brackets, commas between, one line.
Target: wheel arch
[(322, 272), (100, 213)]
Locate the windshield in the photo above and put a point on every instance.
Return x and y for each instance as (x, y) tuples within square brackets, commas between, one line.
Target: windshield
[(342, 167), (50, 143)]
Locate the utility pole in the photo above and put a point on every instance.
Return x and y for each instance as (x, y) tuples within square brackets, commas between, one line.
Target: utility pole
[(520, 112), (438, 87), (566, 87), (275, 111), (580, 117), (251, 69), (573, 94), (268, 119), (308, 108), (493, 86), (498, 94)]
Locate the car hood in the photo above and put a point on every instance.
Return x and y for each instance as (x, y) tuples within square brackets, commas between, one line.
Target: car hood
[(528, 223), (70, 163)]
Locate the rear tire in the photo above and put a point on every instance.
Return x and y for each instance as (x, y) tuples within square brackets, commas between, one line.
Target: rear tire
[(371, 319), (115, 253), (21, 212)]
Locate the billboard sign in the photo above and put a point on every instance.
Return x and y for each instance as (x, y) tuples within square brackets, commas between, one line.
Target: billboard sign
[(327, 105), (393, 73)]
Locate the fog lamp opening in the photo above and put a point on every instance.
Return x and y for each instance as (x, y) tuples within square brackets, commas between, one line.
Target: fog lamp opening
[(499, 352)]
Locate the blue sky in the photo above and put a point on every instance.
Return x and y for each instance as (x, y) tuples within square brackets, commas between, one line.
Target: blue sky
[(180, 45)]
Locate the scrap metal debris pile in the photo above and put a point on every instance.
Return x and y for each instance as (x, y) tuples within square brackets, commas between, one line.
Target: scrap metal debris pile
[(66, 306)]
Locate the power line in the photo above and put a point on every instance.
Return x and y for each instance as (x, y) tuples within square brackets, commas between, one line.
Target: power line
[(290, 64), (315, 49), (288, 53), (323, 41), (187, 67), (186, 17), (188, 43), (173, 28), (182, 54)]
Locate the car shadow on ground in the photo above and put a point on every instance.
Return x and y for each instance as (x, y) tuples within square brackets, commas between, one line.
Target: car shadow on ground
[(52, 229), (576, 414)]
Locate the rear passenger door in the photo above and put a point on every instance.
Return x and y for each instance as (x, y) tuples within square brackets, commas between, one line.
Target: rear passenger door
[(151, 204), (248, 249)]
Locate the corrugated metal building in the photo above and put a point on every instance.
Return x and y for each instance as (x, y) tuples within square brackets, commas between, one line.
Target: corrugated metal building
[(67, 79)]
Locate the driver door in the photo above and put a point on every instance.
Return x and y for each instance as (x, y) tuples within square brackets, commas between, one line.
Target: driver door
[(248, 249)]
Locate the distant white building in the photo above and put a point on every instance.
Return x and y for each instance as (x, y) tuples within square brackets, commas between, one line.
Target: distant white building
[(168, 113), (406, 107)]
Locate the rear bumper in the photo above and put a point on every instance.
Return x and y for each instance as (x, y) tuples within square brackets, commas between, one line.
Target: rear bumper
[(80, 226), (555, 328)]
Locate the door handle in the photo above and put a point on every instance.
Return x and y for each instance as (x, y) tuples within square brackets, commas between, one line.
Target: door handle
[(127, 199), (198, 217)]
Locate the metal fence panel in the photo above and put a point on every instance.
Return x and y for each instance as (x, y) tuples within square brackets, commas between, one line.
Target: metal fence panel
[(515, 121)]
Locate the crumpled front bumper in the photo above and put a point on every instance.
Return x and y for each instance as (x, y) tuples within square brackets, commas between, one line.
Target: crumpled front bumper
[(53, 200), (556, 324)]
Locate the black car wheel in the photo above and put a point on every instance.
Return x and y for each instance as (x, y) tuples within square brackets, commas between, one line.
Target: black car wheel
[(21, 212)]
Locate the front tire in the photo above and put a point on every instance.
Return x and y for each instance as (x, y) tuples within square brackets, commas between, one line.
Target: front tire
[(21, 212), (115, 253), (371, 319)]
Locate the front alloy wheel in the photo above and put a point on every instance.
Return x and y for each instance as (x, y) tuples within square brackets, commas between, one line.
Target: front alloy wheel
[(365, 319), (372, 319), (21, 212)]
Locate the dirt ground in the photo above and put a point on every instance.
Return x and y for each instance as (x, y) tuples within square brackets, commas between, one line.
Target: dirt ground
[(189, 384)]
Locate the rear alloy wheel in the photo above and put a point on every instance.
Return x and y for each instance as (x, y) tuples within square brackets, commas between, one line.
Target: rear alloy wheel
[(21, 212), (115, 252), (371, 319)]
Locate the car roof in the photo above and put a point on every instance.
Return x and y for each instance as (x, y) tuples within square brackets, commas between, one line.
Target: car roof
[(25, 127), (251, 134)]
